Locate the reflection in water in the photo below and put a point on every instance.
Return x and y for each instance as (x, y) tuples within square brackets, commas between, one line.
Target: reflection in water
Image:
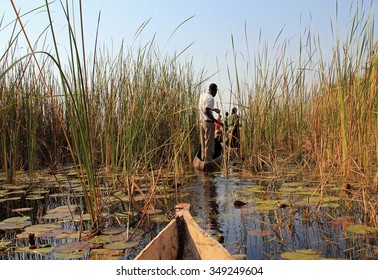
[(267, 232), (210, 206)]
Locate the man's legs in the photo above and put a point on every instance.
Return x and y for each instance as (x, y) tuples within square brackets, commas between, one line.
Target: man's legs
[(209, 141), (202, 126)]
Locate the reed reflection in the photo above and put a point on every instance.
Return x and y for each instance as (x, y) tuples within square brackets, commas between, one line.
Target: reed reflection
[(210, 207)]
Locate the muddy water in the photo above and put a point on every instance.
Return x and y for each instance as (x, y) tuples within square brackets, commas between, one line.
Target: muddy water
[(260, 216)]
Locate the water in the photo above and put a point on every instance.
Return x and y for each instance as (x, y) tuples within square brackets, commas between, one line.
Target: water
[(299, 215), (283, 214)]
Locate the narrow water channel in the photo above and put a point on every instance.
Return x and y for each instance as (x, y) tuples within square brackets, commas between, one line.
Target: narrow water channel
[(254, 216)]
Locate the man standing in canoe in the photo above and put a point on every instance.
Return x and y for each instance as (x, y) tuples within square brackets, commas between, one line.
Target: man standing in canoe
[(207, 120)]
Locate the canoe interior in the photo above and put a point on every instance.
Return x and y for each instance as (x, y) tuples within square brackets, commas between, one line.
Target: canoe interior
[(183, 239)]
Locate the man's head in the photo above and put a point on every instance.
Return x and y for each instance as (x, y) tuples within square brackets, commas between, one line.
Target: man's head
[(213, 89)]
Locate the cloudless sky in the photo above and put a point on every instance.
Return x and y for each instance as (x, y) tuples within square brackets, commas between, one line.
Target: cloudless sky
[(210, 29)]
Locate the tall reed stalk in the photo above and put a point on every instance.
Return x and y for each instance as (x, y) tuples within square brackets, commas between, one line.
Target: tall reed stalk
[(317, 112), (129, 114)]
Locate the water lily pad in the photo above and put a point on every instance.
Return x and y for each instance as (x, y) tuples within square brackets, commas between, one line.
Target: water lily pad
[(331, 198), (3, 192), (100, 239), (66, 235), (21, 210), (292, 184), (16, 219), (15, 223), (42, 227), (74, 247), (107, 252), (10, 199), (72, 255), (261, 232), (121, 245), (361, 229), (304, 254), (40, 251), (34, 197), (4, 244), (331, 205), (266, 205), (113, 231), (287, 190)]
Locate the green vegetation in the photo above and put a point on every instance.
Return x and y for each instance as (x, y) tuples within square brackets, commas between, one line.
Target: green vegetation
[(317, 112), (135, 114)]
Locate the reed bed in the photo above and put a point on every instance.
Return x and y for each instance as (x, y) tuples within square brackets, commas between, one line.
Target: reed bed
[(136, 112), (316, 112), (129, 114)]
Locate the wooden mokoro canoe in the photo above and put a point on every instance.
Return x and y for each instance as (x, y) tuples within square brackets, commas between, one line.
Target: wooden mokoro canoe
[(208, 166), (183, 239)]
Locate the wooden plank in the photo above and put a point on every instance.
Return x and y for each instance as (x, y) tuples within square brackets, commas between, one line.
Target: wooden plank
[(163, 247)]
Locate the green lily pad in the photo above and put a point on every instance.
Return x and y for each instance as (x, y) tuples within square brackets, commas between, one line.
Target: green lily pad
[(304, 254), (96, 257), (34, 197), (15, 223), (65, 235), (10, 199), (100, 239), (42, 228), (105, 254), (40, 251), (22, 210), (361, 229), (3, 193), (266, 205), (74, 247), (121, 245), (16, 219), (292, 184), (4, 244), (331, 205), (331, 198), (72, 255)]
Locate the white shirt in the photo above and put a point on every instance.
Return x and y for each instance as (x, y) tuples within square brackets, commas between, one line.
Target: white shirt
[(205, 100)]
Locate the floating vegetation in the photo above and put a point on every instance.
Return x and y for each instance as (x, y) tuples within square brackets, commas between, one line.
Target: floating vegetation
[(43, 250), (109, 159), (15, 223), (100, 239), (304, 254), (361, 229), (121, 245), (266, 205)]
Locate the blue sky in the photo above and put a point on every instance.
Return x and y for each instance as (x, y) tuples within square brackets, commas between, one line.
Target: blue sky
[(210, 29)]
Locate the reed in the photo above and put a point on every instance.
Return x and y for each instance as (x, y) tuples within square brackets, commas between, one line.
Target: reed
[(314, 111), (135, 112), (130, 114)]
